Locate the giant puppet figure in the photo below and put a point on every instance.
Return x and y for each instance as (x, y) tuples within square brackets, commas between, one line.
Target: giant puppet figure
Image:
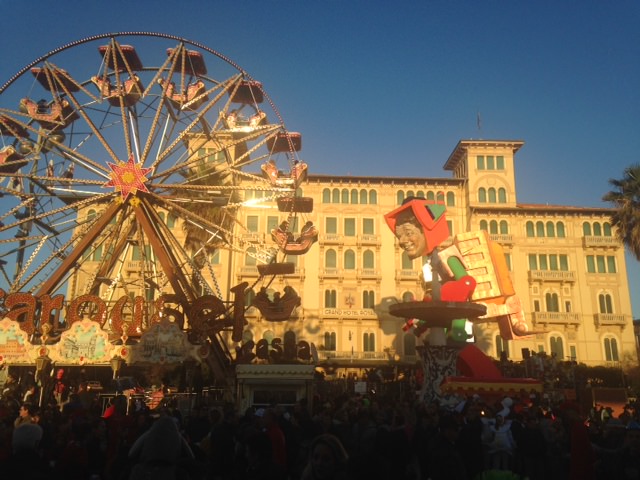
[(465, 279)]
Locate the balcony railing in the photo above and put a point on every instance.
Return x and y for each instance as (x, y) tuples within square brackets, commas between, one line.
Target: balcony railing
[(599, 241), (330, 272), (558, 318), (610, 319), (369, 239), (552, 275), (368, 273), (407, 274), (349, 355), (502, 238), (331, 238)]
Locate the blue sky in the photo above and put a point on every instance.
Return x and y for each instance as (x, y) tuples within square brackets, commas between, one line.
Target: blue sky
[(389, 87)]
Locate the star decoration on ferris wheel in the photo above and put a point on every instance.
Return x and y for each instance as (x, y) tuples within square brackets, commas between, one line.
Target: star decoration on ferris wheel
[(128, 177)]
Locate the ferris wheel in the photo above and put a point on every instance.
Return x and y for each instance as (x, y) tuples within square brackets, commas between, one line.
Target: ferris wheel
[(125, 161)]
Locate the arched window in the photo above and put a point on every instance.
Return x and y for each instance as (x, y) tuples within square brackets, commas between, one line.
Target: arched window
[(373, 197), (551, 229), (431, 196), (586, 229), (407, 263), (493, 227), (492, 195), (91, 214), (410, 194), (484, 226), (611, 350), (354, 196), (502, 345), (597, 230), (171, 220), (249, 296), (326, 196), (504, 227), (409, 344), (606, 227), (330, 341), (330, 259), (408, 297), (539, 229), (560, 230), (440, 197), (368, 260), (552, 301), (399, 197), (557, 347), (368, 299), (420, 194), (482, 195), (364, 198), (335, 196), (330, 299), (344, 196), (502, 195), (369, 342), (349, 260), (605, 303), (451, 199), (530, 231)]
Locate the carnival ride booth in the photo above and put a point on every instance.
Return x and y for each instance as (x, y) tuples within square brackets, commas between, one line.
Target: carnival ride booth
[(466, 282), (121, 178)]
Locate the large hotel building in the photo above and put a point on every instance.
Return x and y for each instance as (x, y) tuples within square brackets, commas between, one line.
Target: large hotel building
[(567, 266)]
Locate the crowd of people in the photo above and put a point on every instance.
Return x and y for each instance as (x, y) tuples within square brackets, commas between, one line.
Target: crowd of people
[(346, 436)]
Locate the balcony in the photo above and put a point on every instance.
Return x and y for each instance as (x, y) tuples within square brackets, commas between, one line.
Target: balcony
[(502, 238), (367, 273), (412, 275), (349, 355), (610, 319), (599, 241), (369, 239), (249, 271), (331, 238), (555, 318), (253, 237), (552, 276), (330, 273)]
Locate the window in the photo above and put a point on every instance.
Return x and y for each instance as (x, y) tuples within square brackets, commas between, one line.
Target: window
[(502, 195), (407, 263), (551, 229), (431, 196), (611, 350), (573, 353), (493, 227), (369, 342), (373, 197), (607, 229), (480, 162), (502, 345), (408, 297), (440, 197), (330, 299), (368, 299), (490, 163), (504, 227), (552, 303), (331, 225), (330, 259), (250, 257), (597, 230), (330, 341), (368, 259), (499, 162), (214, 257), (326, 196), (252, 223), (451, 199), (560, 230), (350, 227), (482, 195), (272, 223), (600, 263), (605, 304), (557, 348), (533, 261), (349, 260), (364, 197), (484, 226), (611, 264), (137, 254), (335, 196), (420, 194), (586, 229), (539, 229), (344, 196), (492, 195), (530, 231), (354, 196), (367, 226), (507, 258), (536, 305), (399, 197)]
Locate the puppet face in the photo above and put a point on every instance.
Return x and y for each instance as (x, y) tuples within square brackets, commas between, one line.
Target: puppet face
[(411, 239)]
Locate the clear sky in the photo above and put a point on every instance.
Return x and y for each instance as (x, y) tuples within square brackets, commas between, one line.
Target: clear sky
[(389, 87)]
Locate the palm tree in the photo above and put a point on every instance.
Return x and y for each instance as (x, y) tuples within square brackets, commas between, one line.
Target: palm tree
[(626, 199)]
